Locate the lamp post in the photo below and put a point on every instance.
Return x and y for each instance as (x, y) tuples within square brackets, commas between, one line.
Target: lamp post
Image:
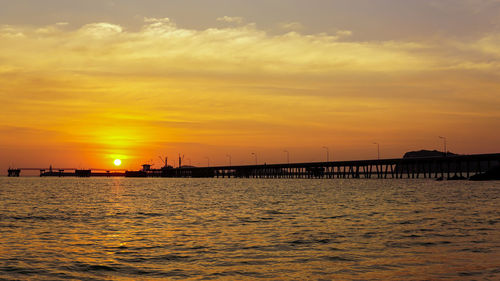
[(229, 156), (327, 154), (208, 161), (287, 156), (378, 150), (255, 155), (444, 144)]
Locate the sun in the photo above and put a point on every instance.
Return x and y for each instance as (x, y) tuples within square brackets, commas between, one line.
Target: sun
[(117, 162)]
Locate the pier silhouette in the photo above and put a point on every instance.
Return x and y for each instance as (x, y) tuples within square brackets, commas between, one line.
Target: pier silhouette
[(444, 167), (68, 172)]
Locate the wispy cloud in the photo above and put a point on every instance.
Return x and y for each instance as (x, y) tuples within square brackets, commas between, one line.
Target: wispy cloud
[(344, 33), (227, 19), (291, 26)]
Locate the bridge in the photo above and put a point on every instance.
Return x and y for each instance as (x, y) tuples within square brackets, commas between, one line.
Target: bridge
[(446, 167)]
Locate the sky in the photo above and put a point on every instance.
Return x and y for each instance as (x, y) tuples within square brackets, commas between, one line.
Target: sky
[(85, 82)]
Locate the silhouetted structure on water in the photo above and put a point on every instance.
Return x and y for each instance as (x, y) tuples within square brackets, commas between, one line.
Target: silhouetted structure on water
[(439, 167)]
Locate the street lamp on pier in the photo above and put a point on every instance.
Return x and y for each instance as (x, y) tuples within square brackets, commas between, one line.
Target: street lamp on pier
[(229, 156), (327, 154), (255, 155), (208, 161), (444, 144), (378, 150), (287, 156)]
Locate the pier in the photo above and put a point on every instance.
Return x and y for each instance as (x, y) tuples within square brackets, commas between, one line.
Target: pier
[(69, 172), (446, 167)]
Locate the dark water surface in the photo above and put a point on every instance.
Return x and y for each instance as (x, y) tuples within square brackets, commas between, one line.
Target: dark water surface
[(235, 229)]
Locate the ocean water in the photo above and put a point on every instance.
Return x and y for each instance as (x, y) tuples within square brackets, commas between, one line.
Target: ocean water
[(248, 229)]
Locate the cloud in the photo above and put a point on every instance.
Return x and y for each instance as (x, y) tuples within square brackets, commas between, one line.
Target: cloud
[(161, 48), (291, 26), (344, 33), (227, 19), (7, 31), (101, 29), (157, 20)]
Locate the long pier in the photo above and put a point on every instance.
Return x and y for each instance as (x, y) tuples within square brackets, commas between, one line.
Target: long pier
[(446, 167), (449, 167)]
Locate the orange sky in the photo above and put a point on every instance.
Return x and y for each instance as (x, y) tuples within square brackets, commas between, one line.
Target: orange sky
[(83, 96)]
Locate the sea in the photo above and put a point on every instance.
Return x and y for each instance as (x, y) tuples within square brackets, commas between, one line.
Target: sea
[(248, 229)]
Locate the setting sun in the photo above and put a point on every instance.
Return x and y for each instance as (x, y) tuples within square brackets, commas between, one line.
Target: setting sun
[(117, 162)]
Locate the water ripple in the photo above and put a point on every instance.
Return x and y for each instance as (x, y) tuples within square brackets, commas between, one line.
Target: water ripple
[(247, 229)]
